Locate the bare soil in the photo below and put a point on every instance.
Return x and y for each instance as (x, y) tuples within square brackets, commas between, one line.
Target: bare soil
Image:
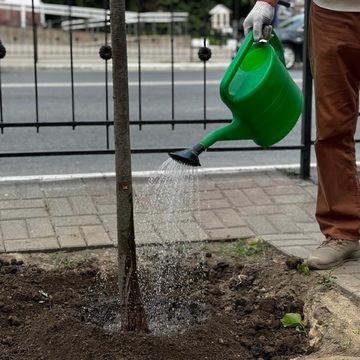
[(227, 306)]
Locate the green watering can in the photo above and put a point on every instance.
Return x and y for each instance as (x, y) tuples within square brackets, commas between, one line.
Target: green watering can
[(264, 100)]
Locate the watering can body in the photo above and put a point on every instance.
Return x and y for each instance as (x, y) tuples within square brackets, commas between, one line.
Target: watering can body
[(264, 100)]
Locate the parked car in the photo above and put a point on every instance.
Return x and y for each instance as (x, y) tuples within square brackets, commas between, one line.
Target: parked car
[(291, 34)]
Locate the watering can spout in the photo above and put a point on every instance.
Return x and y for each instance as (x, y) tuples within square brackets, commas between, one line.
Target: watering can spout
[(188, 156), (236, 130)]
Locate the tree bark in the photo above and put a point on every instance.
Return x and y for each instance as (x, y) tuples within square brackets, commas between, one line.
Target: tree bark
[(132, 309)]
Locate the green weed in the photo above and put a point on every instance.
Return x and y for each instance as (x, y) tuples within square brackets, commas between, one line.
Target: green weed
[(327, 281), (303, 269), (250, 247), (293, 320)]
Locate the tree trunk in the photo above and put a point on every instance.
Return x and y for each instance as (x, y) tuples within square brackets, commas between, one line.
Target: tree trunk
[(132, 310)]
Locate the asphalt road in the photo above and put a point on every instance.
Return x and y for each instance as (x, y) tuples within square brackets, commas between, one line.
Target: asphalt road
[(55, 104)]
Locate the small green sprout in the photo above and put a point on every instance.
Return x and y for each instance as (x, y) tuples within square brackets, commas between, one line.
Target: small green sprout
[(183, 248), (293, 320), (250, 247), (303, 269), (327, 280)]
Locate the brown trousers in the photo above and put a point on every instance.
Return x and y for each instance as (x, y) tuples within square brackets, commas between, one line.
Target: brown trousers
[(334, 46)]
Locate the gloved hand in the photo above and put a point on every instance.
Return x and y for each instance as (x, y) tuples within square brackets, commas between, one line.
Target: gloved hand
[(261, 14)]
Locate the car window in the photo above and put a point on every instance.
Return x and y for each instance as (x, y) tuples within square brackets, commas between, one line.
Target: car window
[(289, 22)]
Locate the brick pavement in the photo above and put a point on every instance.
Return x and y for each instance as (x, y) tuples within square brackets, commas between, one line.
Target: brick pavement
[(81, 213)]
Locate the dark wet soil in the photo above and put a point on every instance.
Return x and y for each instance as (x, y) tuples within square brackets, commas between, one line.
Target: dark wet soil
[(222, 306)]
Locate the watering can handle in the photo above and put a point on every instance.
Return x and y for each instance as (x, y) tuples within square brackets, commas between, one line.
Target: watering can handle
[(245, 47), (239, 58)]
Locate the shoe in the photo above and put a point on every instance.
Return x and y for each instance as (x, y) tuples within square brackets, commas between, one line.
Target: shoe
[(332, 253), (354, 255)]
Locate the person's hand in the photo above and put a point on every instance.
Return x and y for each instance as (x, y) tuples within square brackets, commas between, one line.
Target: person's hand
[(259, 19)]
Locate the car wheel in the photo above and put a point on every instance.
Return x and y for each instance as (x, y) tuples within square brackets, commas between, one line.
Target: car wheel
[(289, 55)]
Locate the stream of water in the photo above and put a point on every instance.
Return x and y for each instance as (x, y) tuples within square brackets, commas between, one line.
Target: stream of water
[(165, 208)]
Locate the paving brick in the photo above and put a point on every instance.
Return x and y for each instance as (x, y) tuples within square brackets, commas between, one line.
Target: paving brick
[(2, 246), (214, 204), (260, 225), (312, 190), (112, 185), (292, 199), (230, 233), (109, 223), (70, 237), (76, 220), (142, 218), (144, 227), (237, 198), (169, 233), (14, 229), (308, 227), (211, 194), (283, 223), (316, 235), (21, 204), (296, 213), (263, 179), (193, 232), (59, 207), (258, 210), (351, 268), (205, 185), (309, 209), (23, 213), (106, 209), (63, 188), (40, 227), (8, 192), (230, 177), (298, 251), (236, 184), (82, 205), (35, 244), (229, 217), (96, 186), (280, 178), (283, 190), (96, 235), (348, 282), (147, 238), (257, 196), (208, 220), (285, 237), (29, 191), (104, 200), (294, 242)]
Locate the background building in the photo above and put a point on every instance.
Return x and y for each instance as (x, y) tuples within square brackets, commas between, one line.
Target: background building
[(18, 12), (221, 19)]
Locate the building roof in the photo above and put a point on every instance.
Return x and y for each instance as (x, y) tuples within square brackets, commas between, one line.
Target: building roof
[(220, 9), (20, 2)]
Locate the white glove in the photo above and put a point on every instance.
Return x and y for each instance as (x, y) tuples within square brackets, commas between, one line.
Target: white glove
[(261, 14)]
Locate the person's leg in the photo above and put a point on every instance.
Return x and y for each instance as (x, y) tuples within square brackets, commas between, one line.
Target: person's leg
[(334, 55)]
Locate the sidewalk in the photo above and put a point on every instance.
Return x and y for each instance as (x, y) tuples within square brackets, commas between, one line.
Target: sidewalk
[(81, 213)]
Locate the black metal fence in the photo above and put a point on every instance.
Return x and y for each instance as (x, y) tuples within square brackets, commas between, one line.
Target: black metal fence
[(137, 38)]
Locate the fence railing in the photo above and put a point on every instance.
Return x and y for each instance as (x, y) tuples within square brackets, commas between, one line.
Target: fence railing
[(139, 46)]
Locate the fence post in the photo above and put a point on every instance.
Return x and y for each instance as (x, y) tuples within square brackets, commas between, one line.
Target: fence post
[(305, 154), (131, 307)]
